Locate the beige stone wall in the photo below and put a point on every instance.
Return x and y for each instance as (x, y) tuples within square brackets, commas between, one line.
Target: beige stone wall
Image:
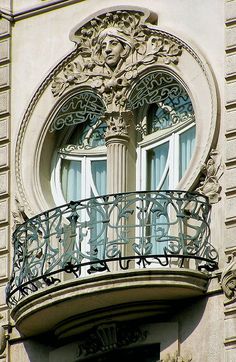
[(39, 40), (230, 172), (5, 111)]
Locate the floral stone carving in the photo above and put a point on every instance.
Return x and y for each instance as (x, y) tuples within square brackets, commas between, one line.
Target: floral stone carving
[(176, 357), (19, 215), (113, 49), (228, 278), (109, 337), (209, 183)]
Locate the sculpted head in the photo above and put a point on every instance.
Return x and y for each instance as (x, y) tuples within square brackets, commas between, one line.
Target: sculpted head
[(114, 46)]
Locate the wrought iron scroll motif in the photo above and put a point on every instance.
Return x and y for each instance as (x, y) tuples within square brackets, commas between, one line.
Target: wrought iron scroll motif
[(82, 107), (170, 102), (83, 237)]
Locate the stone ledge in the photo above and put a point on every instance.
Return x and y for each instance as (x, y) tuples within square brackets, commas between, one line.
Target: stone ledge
[(42, 311)]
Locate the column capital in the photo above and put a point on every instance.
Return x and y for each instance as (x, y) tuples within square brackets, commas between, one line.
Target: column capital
[(118, 123)]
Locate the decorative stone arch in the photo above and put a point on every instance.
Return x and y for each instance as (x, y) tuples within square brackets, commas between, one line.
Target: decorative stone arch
[(144, 48)]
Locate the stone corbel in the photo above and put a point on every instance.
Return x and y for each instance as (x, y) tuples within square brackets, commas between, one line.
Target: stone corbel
[(209, 182), (228, 278)]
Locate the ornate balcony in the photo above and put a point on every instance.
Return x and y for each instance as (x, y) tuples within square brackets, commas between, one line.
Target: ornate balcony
[(156, 238)]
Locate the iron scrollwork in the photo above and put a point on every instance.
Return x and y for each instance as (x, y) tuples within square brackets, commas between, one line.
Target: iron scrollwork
[(170, 103), (158, 228), (82, 107)]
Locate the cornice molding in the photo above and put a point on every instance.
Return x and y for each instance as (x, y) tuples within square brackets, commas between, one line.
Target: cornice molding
[(13, 17)]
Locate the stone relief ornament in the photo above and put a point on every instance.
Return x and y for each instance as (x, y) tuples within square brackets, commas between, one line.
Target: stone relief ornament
[(5, 330), (211, 173), (109, 337), (19, 215), (117, 123), (176, 357), (228, 278), (113, 49)]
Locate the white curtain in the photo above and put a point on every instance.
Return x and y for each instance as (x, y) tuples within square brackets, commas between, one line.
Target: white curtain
[(71, 180), (158, 174), (99, 175), (186, 147)]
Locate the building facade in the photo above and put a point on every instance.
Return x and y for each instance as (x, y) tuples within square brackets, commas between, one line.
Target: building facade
[(118, 180)]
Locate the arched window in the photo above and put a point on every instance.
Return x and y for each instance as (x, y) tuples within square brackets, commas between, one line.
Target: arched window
[(167, 131), (80, 168)]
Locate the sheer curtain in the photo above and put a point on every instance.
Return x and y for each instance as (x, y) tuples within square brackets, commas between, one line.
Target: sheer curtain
[(186, 147), (71, 180), (99, 176), (158, 177)]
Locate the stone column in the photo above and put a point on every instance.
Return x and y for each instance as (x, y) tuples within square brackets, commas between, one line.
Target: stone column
[(117, 140)]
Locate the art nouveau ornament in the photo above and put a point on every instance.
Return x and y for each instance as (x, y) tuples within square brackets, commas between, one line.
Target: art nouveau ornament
[(176, 357), (113, 49), (228, 278), (209, 184), (99, 83)]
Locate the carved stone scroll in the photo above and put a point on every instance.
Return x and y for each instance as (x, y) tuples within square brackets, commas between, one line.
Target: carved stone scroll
[(228, 278), (211, 173)]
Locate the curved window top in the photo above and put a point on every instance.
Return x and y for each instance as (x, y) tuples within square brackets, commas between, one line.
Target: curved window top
[(88, 134), (82, 107), (169, 102)]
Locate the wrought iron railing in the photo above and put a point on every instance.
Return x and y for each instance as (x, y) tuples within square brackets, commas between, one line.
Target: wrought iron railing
[(122, 231)]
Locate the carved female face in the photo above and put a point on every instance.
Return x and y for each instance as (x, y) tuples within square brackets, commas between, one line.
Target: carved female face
[(112, 50)]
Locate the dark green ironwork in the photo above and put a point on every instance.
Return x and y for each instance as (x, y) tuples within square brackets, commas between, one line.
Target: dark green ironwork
[(136, 229)]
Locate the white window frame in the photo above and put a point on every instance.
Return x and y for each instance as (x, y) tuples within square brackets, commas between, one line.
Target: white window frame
[(95, 154), (152, 141)]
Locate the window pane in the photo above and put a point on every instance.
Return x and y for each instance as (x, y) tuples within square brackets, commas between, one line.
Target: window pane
[(186, 147), (71, 180), (99, 175), (157, 176), (88, 135)]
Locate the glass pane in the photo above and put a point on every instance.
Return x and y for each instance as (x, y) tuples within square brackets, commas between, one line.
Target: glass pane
[(71, 180), (88, 135), (157, 175), (99, 175), (186, 148)]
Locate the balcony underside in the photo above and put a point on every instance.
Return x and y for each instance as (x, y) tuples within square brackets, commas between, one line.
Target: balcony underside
[(76, 305)]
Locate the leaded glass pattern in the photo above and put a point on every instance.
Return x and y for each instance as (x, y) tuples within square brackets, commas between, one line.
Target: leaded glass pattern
[(167, 100), (82, 107)]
